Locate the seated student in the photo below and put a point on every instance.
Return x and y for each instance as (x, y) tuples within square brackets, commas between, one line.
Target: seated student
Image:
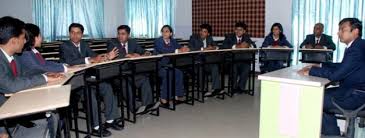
[(240, 39), (75, 52), (275, 38), (12, 76), (349, 73), (205, 41), (32, 59), (318, 40), (167, 44), (128, 48)]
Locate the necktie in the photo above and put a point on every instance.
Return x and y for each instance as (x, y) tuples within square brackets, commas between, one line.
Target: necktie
[(124, 52), (317, 41), (239, 41), (13, 68), (40, 58)]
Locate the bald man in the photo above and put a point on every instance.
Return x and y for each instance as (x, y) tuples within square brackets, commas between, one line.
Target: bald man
[(318, 40)]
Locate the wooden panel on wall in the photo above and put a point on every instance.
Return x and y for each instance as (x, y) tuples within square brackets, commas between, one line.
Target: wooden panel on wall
[(223, 14)]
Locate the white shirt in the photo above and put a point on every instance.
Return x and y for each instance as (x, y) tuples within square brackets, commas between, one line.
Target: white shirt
[(317, 39), (205, 43), (78, 47), (275, 39), (125, 46), (11, 58), (35, 51), (238, 39), (349, 45)]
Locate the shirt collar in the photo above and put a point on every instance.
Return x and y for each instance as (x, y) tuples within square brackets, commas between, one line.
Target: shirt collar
[(275, 39), (349, 45), (238, 38), (35, 50), (9, 58), (125, 44), (77, 45)]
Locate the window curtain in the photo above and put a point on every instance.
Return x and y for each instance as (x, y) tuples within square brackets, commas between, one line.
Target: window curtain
[(146, 17), (54, 16), (306, 13)]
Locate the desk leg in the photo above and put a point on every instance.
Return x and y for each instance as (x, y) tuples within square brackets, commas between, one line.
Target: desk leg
[(253, 68), (134, 91), (173, 85), (88, 113), (65, 118), (97, 96)]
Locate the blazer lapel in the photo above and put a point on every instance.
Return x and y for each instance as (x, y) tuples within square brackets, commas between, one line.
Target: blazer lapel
[(5, 62)]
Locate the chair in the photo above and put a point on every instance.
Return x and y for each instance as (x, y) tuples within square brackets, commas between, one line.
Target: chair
[(350, 116)]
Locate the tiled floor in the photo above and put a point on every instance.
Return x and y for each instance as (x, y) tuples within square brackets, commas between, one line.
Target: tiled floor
[(236, 117)]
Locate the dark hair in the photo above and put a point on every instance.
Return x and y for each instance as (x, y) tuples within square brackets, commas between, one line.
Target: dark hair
[(206, 26), (355, 24), (124, 27), (10, 27), (241, 24), (168, 27), (77, 25), (281, 35), (31, 31)]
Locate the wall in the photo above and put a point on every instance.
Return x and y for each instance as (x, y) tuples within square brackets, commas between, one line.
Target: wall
[(183, 19), (114, 15), (21, 9)]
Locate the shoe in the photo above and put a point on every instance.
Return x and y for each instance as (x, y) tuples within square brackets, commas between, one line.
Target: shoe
[(164, 105), (104, 132), (208, 94), (179, 102), (238, 91), (115, 125), (140, 110), (215, 92), (153, 107)]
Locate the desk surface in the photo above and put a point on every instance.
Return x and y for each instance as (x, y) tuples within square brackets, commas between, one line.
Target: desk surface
[(35, 101), (283, 49), (290, 75), (47, 85), (319, 50)]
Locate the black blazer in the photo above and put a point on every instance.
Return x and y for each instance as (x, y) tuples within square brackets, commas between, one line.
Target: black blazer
[(230, 40), (133, 47), (71, 55), (195, 42), (325, 40)]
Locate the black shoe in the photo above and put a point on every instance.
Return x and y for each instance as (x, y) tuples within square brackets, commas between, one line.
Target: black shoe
[(153, 107), (104, 132), (115, 125), (177, 102), (215, 93), (165, 105), (141, 110), (238, 91)]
